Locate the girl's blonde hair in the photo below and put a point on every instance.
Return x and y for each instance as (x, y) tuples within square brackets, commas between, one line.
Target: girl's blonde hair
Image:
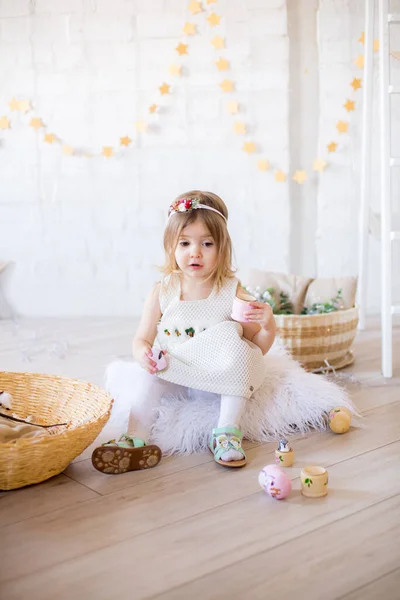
[(215, 224)]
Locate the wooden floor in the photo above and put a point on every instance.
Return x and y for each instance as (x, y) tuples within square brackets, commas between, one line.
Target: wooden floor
[(191, 529)]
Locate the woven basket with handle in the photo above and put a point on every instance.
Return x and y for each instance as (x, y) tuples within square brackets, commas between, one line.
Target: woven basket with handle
[(315, 339), (50, 399)]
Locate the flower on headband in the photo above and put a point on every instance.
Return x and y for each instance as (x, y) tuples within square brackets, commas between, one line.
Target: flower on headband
[(184, 204)]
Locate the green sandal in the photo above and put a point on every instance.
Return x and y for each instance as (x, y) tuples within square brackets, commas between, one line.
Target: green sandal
[(224, 439), (128, 454)]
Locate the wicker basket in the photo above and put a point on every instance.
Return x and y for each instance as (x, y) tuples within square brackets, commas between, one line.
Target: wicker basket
[(312, 339), (83, 406)]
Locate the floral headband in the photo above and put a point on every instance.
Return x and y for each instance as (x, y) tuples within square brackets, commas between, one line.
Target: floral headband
[(187, 204)]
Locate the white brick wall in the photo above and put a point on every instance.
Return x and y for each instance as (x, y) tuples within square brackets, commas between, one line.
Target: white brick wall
[(85, 234)]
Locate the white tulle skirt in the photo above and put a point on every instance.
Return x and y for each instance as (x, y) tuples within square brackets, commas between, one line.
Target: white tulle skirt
[(289, 401)]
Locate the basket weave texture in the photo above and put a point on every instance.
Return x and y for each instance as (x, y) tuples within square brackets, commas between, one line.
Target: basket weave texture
[(53, 399), (312, 339)]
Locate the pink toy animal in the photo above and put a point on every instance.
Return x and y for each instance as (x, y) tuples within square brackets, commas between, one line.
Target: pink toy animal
[(275, 482), (159, 358)]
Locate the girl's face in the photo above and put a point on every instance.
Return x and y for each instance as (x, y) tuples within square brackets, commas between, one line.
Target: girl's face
[(196, 252)]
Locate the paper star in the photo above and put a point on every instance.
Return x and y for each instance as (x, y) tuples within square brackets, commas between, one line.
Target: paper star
[(24, 106), (332, 147), (359, 62), (263, 165), (175, 70), (342, 126), (153, 108), (226, 85), (189, 29), (239, 127), (280, 176), (376, 42), (233, 107), (300, 177), (141, 126), (213, 20), (249, 147), (211, 1), (222, 64), (5, 123), (164, 88), (181, 49), (218, 42), (349, 106), (356, 84), (125, 141), (67, 150), (36, 123), (13, 104), (49, 138), (107, 152), (194, 7), (319, 165)]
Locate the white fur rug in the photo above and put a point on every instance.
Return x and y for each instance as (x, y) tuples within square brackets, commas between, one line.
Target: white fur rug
[(289, 401)]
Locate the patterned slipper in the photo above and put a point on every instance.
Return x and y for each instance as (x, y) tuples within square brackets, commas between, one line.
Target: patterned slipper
[(224, 439), (128, 454)]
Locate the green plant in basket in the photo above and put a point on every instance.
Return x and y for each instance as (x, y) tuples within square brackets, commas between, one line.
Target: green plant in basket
[(319, 308), (285, 305), (280, 306)]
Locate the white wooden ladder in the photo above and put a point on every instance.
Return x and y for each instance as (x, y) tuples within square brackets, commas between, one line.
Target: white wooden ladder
[(389, 234)]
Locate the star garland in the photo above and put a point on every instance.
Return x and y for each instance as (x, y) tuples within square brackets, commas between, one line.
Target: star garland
[(227, 86), (240, 128), (5, 123), (141, 126)]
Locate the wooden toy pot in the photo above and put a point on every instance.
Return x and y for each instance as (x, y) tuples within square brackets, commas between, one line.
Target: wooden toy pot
[(314, 482), (284, 459)]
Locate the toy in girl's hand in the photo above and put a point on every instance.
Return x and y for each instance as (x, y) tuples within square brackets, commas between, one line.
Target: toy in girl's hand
[(158, 356), (284, 455), (240, 306), (274, 482), (340, 419)]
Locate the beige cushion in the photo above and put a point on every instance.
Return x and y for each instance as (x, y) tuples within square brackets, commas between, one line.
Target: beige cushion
[(323, 290), (295, 286)]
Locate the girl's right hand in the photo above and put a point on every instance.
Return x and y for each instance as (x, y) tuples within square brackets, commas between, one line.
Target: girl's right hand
[(142, 355)]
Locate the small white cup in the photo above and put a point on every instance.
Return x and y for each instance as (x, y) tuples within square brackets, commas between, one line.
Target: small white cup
[(240, 306)]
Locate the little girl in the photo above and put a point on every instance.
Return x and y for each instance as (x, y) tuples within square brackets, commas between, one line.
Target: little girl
[(188, 316)]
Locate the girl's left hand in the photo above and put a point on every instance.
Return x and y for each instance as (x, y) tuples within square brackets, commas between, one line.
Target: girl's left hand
[(260, 313)]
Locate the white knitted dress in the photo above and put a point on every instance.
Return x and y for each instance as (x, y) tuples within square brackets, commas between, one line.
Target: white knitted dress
[(206, 350)]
